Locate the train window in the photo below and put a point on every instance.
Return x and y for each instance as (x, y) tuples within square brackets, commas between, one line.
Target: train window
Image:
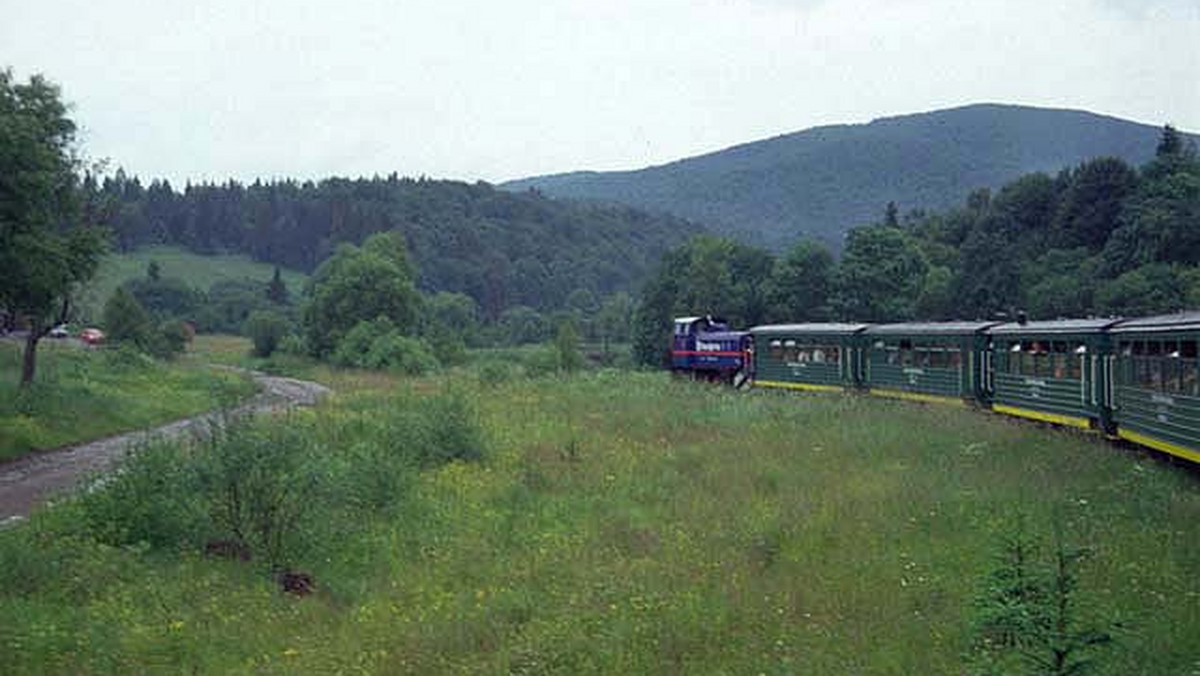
[(790, 353), (775, 349), (1187, 349), (955, 359), (1059, 356), (893, 355), (1077, 353), (937, 357)]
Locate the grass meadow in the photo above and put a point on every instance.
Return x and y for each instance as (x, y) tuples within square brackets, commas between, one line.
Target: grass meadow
[(82, 394), (198, 271), (607, 523)]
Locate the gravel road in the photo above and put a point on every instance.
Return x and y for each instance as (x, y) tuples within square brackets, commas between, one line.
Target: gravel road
[(32, 479)]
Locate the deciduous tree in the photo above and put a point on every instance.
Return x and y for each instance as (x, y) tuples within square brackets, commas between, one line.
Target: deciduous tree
[(45, 252)]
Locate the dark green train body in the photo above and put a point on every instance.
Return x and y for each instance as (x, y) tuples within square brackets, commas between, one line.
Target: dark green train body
[(1138, 379), (1054, 371), (1154, 393), (815, 357), (933, 361)]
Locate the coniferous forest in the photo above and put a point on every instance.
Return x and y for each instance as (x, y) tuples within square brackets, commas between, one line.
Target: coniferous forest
[(504, 250)]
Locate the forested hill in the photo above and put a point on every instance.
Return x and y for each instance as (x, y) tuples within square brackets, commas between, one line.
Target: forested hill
[(503, 249), (823, 181)]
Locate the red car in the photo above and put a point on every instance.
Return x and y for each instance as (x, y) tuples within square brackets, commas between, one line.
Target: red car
[(92, 336)]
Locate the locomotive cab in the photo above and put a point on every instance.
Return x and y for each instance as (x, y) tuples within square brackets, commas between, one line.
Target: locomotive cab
[(705, 348)]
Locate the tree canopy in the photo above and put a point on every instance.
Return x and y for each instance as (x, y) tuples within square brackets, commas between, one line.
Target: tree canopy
[(45, 253), (360, 284)]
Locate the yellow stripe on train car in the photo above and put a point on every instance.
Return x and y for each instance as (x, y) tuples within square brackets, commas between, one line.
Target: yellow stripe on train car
[(918, 396), (1159, 444), (806, 387), (1056, 418)]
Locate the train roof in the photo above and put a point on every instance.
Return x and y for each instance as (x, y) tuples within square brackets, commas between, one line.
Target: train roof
[(721, 335), (930, 328), (1179, 321), (1093, 325), (822, 329)]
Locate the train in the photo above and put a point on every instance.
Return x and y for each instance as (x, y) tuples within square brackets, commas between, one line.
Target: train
[(1134, 379)]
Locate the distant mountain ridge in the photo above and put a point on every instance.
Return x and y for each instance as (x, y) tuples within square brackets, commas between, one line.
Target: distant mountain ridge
[(822, 181)]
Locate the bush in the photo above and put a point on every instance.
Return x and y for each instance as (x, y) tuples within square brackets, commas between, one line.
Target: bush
[(169, 340), (125, 320), (398, 353), (153, 499), (260, 484), (293, 345), (378, 344), (267, 328)]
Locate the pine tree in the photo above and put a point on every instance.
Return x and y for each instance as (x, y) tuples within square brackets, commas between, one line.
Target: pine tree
[(276, 290)]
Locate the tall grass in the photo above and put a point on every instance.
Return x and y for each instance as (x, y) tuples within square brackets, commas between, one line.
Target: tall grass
[(624, 523), (84, 394)]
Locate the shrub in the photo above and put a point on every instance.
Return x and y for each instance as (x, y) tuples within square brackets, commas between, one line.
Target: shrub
[(566, 345), (401, 354), (153, 499), (378, 344), (292, 345), (125, 320), (260, 484), (456, 432), (169, 340), (267, 328)]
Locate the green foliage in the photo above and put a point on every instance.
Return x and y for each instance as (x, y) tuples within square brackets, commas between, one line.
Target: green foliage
[(89, 394), (223, 277), (360, 284), (522, 325), (378, 344), (1028, 616), (126, 321), (821, 182), (45, 252), (800, 287), (258, 483), (277, 291), (267, 328), (499, 248), (705, 275), (881, 275), (166, 297), (1150, 289), (566, 346), (726, 533), (169, 339)]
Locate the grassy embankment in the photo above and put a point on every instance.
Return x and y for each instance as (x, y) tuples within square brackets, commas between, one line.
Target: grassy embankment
[(198, 271), (82, 394), (617, 523)]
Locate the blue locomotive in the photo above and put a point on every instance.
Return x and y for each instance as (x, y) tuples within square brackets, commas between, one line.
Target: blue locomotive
[(706, 349), (1134, 379)]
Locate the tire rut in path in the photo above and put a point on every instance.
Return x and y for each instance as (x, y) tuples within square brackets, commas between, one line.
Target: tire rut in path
[(32, 479)]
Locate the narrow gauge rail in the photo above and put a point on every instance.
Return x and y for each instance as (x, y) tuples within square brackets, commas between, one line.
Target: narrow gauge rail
[(1134, 379)]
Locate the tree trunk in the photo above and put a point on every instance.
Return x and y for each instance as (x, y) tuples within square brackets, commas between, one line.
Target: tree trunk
[(29, 366)]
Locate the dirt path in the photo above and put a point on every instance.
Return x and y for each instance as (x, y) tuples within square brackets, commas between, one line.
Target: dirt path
[(32, 479)]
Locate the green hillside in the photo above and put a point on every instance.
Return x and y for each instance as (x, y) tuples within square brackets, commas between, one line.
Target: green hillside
[(822, 181), (198, 271)]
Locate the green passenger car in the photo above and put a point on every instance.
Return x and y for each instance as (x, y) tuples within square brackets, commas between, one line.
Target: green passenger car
[(1053, 371), (933, 361), (816, 357), (1156, 398)]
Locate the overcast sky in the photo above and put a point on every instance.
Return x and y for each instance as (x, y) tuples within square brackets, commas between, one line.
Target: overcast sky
[(212, 89)]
